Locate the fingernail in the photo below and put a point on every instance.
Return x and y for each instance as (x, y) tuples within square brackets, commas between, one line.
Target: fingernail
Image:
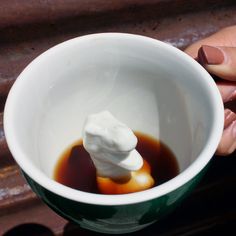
[(229, 118), (228, 141), (210, 55), (228, 92)]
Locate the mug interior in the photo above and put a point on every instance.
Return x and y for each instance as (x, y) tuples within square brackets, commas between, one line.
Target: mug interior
[(150, 86)]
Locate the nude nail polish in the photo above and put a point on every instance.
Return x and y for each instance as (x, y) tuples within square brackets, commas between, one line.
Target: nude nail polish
[(210, 55), (228, 91), (228, 142), (229, 118)]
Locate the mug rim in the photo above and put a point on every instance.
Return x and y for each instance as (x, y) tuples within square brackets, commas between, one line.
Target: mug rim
[(121, 199)]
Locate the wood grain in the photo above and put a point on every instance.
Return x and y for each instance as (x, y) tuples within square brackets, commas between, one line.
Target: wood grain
[(14, 12), (28, 28)]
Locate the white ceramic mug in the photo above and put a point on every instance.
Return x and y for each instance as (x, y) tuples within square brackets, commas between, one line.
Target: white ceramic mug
[(149, 85)]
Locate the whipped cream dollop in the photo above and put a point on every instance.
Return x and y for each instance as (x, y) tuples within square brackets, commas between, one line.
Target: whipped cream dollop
[(111, 145)]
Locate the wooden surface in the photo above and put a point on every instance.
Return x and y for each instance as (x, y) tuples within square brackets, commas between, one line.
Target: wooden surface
[(27, 28)]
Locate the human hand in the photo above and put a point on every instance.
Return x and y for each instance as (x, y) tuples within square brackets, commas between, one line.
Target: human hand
[(217, 54)]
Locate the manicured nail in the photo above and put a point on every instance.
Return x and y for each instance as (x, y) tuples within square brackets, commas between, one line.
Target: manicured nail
[(229, 118), (210, 55), (227, 91), (228, 141), (230, 94)]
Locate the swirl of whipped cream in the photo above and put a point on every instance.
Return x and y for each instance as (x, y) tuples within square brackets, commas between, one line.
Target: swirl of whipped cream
[(111, 145)]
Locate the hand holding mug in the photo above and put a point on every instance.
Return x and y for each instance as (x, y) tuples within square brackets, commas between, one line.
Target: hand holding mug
[(217, 53)]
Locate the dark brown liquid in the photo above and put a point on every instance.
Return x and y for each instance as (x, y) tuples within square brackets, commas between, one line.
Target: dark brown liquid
[(76, 170)]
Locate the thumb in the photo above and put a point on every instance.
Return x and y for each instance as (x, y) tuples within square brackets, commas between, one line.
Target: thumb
[(220, 61)]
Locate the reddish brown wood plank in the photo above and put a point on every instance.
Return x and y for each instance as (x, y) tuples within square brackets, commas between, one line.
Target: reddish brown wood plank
[(22, 46), (13, 12), (3, 144), (29, 33), (38, 214)]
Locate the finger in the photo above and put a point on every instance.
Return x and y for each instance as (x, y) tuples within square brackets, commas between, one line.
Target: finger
[(227, 90), (220, 61), (228, 141), (224, 37), (230, 117)]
